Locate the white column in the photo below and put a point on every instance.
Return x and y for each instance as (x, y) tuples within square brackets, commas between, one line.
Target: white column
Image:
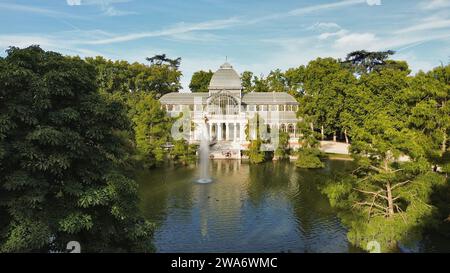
[(241, 132), (234, 131), (227, 132), (219, 131), (209, 131)]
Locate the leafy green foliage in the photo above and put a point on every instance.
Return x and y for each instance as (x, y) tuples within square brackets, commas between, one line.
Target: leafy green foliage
[(151, 128), (61, 159), (200, 81), (183, 153), (161, 77), (405, 227), (283, 150), (309, 155), (325, 86), (309, 158), (365, 62), (389, 117), (254, 152), (246, 78)]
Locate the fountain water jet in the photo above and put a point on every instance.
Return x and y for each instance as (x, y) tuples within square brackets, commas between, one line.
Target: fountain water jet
[(204, 156)]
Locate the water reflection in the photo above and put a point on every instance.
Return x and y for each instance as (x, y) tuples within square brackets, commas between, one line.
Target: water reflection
[(271, 207)]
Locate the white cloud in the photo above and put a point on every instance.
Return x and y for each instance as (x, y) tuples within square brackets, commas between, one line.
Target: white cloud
[(322, 7), (106, 6), (328, 30), (427, 25), (183, 28), (73, 2), (354, 41), (324, 26), (373, 2), (35, 10), (339, 33), (178, 29), (54, 43), (434, 4), (23, 40)]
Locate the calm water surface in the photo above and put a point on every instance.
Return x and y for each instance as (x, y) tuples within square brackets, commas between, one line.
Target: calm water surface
[(272, 207)]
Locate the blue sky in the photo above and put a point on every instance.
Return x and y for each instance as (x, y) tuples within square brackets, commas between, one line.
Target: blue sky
[(256, 35)]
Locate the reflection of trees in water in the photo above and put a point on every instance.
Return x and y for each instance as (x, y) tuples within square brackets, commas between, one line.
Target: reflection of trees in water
[(309, 205), (160, 189), (311, 208), (267, 178)]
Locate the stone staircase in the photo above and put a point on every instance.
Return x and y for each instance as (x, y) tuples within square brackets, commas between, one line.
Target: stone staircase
[(225, 150)]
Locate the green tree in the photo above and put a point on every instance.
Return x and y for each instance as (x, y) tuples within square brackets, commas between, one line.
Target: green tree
[(61, 155), (362, 61), (309, 158), (294, 80), (183, 153), (162, 59), (160, 77), (254, 152), (309, 154), (260, 84), (246, 78), (326, 84), (283, 150), (430, 117), (151, 128), (385, 199), (430, 113), (255, 155), (200, 81), (276, 81)]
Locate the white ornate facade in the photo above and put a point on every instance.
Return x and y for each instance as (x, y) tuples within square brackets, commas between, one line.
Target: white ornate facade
[(226, 112)]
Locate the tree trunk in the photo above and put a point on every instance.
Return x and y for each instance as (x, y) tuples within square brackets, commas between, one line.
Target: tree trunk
[(444, 143), (334, 136), (345, 135), (321, 132), (311, 125), (390, 201)]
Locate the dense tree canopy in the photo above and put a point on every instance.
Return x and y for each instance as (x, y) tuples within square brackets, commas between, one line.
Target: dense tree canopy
[(61, 159), (151, 128), (246, 78), (200, 81), (363, 61), (399, 118), (161, 77), (325, 86)]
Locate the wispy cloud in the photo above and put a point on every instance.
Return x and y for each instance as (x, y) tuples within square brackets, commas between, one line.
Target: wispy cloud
[(48, 42), (427, 25), (323, 7), (307, 10), (324, 26), (36, 10), (179, 29), (434, 4), (106, 6)]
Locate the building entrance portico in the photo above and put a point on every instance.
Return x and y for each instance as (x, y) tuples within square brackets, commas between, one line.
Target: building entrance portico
[(224, 131)]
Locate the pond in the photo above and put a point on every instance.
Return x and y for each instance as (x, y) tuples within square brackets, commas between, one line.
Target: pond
[(270, 207)]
